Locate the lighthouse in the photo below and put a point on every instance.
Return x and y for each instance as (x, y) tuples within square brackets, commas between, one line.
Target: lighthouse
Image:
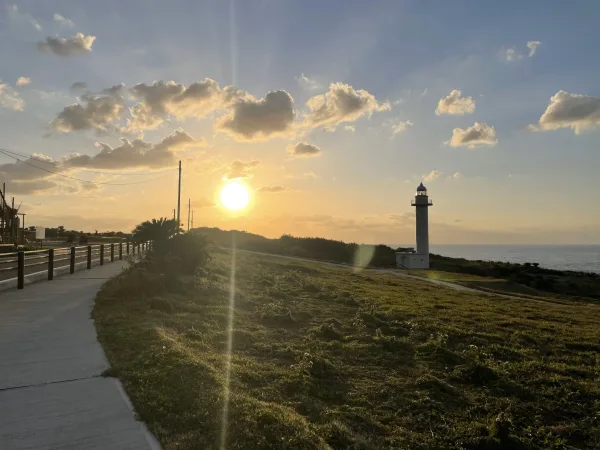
[(419, 259)]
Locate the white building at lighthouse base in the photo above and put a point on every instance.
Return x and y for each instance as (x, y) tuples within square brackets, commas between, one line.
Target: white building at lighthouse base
[(412, 260)]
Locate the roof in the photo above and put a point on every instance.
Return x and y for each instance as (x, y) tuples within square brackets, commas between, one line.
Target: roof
[(421, 188)]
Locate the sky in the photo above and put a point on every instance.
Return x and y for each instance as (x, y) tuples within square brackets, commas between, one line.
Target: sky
[(331, 112)]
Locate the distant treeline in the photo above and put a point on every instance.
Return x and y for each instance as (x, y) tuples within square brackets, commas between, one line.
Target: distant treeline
[(582, 284)]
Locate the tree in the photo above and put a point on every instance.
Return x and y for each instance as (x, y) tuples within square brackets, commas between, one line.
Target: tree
[(157, 230), (60, 230)]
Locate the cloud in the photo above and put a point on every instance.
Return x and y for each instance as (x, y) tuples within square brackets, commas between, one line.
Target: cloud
[(78, 86), (533, 45), (63, 21), (400, 127), (477, 135), (23, 81), (272, 189), (308, 83), (259, 119), (350, 128), (135, 154), (303, 150), (433, 175), (10, 99), (96, 113), (510, 54), (454, 104), (18, 17), (240, 169), (456, 176), (75, 45), (161, 98), (342, 103), (575, 111)]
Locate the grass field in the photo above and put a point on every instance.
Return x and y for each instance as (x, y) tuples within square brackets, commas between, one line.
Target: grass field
[(323, 357)]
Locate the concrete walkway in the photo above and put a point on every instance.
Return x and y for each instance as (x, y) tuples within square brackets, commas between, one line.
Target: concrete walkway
[(51, 393)]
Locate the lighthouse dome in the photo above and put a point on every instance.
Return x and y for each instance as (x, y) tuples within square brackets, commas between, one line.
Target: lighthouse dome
[(421, 188)]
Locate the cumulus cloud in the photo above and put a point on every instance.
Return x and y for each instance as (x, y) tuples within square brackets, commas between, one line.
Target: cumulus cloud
[(575, 111), (433, 175), (240, 169), (259, 119), (454, 104), (23, 81), (400, 127), (342, 103), (71, 46), (272, 189), (532, 46), (350, 128), (303, 150), (456, 176), (308, 83), (135, 154), (477, 135), (96, 113), (10, 99), (78, 86), (510, 54), (63, 21), (161, 98), (26, 178)]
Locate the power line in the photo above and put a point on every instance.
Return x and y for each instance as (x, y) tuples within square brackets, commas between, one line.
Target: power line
[(79, 179), (85, 170)]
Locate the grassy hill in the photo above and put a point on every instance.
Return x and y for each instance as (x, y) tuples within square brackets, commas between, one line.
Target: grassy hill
[(327, 357)]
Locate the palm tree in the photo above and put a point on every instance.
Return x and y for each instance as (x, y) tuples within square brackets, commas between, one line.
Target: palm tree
[(157, 230)]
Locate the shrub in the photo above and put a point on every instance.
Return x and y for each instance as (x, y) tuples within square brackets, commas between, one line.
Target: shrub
[(83, 239), (71, 237), (183, 253)]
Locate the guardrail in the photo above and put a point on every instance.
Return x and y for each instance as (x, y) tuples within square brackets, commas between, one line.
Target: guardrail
[(23, 261)]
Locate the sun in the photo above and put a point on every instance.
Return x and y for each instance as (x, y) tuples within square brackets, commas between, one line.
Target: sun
[(235, 196)]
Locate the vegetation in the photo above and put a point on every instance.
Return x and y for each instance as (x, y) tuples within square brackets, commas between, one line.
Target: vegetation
[(157, 230), (526, 278), (325, 357)]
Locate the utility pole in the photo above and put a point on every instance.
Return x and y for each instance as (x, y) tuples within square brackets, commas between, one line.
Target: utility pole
[(189, 212), (192, 219), (173, 214), (179, 199)]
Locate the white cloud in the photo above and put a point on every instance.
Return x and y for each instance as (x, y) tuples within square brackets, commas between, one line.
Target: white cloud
[(350, 128), (433, 175), (575, 111), (307, 83), (75, 45), (511, 54), (18, 17), (135, 154), (240, 169), (477, 135), (63, 21), (23, 81), (533, 45), (272, 189), (303, 150), (454, 104), (342, 103), (96, 113), (400, 127), (456, 176), (10, 99), (259, 119)]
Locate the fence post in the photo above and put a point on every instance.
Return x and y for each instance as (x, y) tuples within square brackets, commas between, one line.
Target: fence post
[(133, 248), (50, 264), (72, 265), (120, 250), (112, 252), (101, 254), (89, 257), (128, 247), (20, 270)]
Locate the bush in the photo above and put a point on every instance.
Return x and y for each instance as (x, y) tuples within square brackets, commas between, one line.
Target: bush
[(183, 253), (83, 239), (71, 237)]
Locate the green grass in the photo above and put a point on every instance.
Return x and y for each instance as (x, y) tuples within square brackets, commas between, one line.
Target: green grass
[(324, 357)]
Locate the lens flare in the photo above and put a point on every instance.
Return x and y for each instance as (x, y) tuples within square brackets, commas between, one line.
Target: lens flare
[(235, 196)]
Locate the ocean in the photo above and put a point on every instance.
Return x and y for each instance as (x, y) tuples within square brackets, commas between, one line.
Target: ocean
[(585, 258)]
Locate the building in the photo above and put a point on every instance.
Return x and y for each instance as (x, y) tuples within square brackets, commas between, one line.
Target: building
[(420, 258)]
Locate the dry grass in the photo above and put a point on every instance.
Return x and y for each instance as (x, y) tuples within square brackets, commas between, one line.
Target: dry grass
[(327, 358)]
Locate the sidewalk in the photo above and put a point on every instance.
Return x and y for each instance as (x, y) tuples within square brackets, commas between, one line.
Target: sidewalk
[(51, 393)]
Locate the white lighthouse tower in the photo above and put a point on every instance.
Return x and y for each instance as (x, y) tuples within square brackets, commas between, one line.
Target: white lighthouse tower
[(420, 258)]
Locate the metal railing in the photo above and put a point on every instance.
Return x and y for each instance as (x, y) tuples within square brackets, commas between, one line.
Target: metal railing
[(54, 258)]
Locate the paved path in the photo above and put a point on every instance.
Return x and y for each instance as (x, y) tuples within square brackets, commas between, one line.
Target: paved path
[(51, 393)]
